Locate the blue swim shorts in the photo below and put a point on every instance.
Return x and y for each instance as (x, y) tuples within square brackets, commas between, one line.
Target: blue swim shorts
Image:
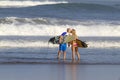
[(63, 47)]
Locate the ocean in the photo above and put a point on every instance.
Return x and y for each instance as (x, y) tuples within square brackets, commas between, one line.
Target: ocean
[(27, 25)]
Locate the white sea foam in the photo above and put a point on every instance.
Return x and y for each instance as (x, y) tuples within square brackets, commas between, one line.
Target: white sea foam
[(52, 27), (104, 44), (52, 30), (27, 3), (44, 44), (24, 44)]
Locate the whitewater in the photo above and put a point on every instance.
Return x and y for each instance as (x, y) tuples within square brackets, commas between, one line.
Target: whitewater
[(27, 3), (26, 27)]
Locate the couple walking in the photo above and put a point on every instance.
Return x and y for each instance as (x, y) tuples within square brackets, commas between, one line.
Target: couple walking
[(63, 46)]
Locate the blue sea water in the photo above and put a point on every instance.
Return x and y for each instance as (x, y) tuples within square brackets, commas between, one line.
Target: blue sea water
[(27, 25)]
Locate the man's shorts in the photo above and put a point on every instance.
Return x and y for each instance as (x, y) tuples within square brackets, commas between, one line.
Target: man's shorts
[(63, 47)]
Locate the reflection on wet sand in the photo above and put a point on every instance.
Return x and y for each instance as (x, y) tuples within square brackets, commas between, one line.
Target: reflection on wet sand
[(69, 71)]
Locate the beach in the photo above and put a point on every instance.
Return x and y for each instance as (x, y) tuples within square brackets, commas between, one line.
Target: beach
[(27, 25), (59, 72)]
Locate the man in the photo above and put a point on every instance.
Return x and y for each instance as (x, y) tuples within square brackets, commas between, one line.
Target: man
[(63, 46)]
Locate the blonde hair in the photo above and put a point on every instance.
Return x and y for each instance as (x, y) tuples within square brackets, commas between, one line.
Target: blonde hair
[(74, 33)]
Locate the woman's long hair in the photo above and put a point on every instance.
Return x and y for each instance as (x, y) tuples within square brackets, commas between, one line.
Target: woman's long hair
[(74, 33)]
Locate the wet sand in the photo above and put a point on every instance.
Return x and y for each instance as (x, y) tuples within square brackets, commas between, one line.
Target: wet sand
[(59, 72)]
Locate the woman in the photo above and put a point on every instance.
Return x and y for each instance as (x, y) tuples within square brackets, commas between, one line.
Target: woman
[(74, 46)]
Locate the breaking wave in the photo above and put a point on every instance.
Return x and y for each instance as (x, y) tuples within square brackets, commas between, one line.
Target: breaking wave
[(20, 43), (27, 3), (52, 27)]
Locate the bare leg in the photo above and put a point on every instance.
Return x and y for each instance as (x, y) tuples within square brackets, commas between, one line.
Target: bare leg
[(77, 53), (64, 55), (59, 53), (73, 53)]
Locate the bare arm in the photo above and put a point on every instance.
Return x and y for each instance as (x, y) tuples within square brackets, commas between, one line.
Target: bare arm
[(60, 39)]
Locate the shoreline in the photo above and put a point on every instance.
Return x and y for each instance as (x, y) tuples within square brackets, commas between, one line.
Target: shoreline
[(55, 63)]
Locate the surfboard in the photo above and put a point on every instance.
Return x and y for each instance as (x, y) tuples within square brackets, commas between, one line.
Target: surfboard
[(54, 40), (81, 43), (66, 39)]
